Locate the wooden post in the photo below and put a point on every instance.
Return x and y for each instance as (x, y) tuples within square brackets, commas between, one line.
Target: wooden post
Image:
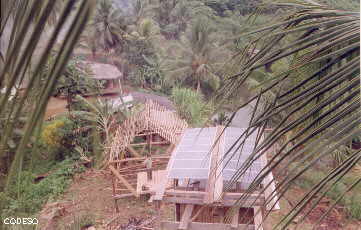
[(158, 209), (149, 140), (114, 189), (177, 212), (148, 164), (258, 218), (235, 218), (186, 217)]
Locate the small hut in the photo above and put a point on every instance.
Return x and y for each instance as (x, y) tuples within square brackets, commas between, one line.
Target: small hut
[(202, 184), (107, 72)]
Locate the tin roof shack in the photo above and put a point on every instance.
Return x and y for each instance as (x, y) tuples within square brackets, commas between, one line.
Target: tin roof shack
[(198, 183)]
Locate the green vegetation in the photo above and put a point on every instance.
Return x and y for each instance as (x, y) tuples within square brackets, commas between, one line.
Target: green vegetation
[(300, 71), (191, 106), (27, 197)]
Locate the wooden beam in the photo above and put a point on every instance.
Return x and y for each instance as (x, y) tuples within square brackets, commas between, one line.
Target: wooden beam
[(133, 151), (139, 159), (218, 187), (214, 185), (149, 141), (235, 219), (226, 203), (152, 143), (258, 218), (124, 181), (145, 134), (186, 217), (201, 194), (169, 225), (158, 222)]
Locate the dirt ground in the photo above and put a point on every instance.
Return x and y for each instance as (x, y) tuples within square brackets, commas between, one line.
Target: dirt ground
[(55, 106), (91, 195)]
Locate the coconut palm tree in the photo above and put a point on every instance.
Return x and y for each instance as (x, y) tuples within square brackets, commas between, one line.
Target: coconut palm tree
[(197, 57), (314, 107), (109, 25)]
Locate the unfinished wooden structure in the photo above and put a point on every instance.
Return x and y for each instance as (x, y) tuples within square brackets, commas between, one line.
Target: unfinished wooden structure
[(202, 183), (141, 149)]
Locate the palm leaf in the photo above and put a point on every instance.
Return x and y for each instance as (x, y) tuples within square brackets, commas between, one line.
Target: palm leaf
[(320, 108)]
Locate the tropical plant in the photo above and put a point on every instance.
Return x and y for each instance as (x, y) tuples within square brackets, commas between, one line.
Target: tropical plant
[(191, 106), (30, 18), (101, 116), (109, 26), (317, 98), (198, 59)]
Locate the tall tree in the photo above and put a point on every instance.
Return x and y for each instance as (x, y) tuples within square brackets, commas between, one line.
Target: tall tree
[(197, 57)]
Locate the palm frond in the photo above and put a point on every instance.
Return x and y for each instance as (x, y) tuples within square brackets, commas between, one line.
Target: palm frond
[(317, 98)]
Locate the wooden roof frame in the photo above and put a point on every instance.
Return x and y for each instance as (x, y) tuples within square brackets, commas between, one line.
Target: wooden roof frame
[(152, 117)]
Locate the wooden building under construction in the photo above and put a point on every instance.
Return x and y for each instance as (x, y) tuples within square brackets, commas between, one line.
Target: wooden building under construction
[(141, 149), (202, 182)]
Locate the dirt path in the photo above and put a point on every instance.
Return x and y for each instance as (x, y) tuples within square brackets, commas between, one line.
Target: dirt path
[(55, 106)]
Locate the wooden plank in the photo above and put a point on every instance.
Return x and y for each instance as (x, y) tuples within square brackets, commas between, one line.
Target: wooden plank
[(139, 159), (124, 181), (169, 225), (145, 134), (201, 194), (258, 218), (151, 143), (186, 217), (227, 203), (235, 219)]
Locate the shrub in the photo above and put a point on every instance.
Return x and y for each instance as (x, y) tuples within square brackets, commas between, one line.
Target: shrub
[(190, 105), (57, 137), (26, 197)]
